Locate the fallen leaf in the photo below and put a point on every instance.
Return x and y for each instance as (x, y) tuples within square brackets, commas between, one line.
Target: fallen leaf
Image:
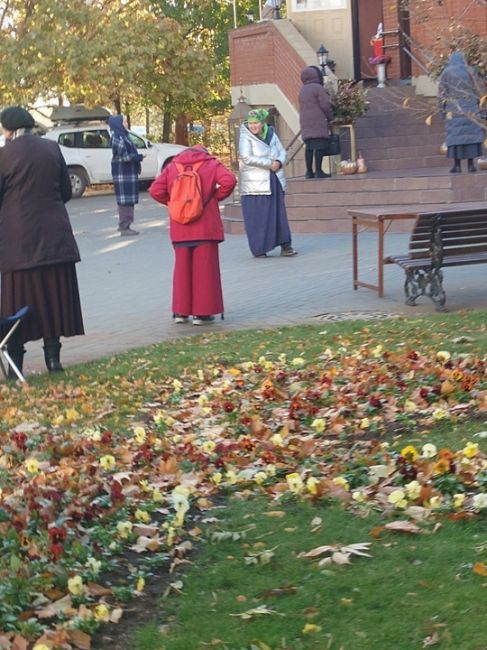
[(480, 569), (403, 527)]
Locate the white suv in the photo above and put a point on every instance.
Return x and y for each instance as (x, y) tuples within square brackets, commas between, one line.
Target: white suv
[(88, 154)]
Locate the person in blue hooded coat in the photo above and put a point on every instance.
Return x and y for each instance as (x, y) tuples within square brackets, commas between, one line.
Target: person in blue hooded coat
[(459, 94), (126, 168)]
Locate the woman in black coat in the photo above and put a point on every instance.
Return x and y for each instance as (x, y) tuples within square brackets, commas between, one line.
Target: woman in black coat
[(315, 114), (38, 251)]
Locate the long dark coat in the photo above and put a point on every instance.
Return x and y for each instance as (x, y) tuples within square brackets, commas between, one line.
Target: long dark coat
[(34, 225), (125, 169), (459, 93), (315, 111)]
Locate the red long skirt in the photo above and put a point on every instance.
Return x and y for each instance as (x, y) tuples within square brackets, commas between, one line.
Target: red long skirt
[(52, 294), (197, 288)]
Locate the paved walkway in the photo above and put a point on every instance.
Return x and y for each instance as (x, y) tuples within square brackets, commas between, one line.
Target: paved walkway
[(125, 283)]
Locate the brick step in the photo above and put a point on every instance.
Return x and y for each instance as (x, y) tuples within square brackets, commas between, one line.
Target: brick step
[(321, 205), (374, 152)]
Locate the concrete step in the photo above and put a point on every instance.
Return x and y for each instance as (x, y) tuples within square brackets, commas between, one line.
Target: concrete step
[(315, 206)]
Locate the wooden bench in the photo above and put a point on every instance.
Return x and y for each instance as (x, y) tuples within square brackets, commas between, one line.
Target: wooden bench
[(440, 239)]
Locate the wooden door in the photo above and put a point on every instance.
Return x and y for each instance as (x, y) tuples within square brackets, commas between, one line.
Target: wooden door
[(366, 16)]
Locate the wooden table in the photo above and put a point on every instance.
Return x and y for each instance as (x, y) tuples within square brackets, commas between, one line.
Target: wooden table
[(380, 220)]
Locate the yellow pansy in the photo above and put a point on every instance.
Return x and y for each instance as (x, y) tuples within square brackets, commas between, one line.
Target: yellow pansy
[(260, 477), (413, 490), (75, 585), (410, 453), (295, 482), (309, 628), (435, 502), (341, 482), (41, 646), (177, 385), (439, 414), (203, 400), (319, 425), (409, 406), (458, 500), (398, 499), (429, 450), (32, 465), (216, 477), (443, 356), (230, 477), (157, 495), (143, 516), (277, 440), (208, 446), (270, 470), (124, 528), (359, 496), (140, 585), (140, 435), (102, 613), (364, 423), (171, 534), (107, 462), (298, 362), (470, 450), (144, 485), (169, 421)]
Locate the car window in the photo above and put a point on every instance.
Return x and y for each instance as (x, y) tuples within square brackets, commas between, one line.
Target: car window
[(97, 139), (139, 143), (67, 139)]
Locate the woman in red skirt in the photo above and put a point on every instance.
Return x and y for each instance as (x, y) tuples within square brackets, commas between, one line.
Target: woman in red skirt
[(197, 287)]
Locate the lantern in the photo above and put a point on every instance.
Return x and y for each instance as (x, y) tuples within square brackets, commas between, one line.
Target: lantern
[(235, 120)]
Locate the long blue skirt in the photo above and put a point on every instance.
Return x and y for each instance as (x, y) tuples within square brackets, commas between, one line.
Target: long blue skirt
[(265, 219)]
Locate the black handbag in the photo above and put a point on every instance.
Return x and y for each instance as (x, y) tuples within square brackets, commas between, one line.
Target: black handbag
[(333, 145)]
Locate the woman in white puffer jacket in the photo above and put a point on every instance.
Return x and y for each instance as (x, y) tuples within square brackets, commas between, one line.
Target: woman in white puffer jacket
[(262, 186)]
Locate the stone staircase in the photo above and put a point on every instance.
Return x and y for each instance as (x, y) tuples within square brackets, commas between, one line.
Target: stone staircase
[(405, 166)]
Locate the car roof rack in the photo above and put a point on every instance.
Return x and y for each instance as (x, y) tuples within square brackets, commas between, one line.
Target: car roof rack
[(78, 114)]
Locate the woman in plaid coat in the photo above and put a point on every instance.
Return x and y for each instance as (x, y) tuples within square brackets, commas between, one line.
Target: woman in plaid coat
[(125, 173)]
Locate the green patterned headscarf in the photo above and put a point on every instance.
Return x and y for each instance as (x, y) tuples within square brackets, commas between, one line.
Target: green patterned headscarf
[(258, 115)]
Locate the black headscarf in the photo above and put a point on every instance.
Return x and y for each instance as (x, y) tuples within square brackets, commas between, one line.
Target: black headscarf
[(16, 117)]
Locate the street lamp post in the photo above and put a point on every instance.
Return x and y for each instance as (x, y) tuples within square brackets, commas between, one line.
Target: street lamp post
[(322, 54)]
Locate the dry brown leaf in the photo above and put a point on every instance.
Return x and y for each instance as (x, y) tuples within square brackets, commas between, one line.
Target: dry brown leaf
[(403, 527), (80, 639), (429, 641), (19, 643), (275, 513)]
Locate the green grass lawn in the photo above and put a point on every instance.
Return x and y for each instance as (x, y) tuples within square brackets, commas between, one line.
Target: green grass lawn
[(257, 447)]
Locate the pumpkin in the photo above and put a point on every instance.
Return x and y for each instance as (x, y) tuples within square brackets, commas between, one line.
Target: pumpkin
[(348, 167), (482, 162), (444, 149)]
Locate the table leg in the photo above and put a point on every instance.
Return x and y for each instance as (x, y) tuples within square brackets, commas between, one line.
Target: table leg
[(354, 252), (380, 260)]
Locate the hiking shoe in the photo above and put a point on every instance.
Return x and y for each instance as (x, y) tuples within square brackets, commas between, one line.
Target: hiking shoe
[(309, 175), (178, 319), (288, 251), (321, 174), (203, 320), (128, 232)]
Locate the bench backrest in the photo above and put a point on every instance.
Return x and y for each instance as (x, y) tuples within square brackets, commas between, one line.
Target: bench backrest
[(463, 232)]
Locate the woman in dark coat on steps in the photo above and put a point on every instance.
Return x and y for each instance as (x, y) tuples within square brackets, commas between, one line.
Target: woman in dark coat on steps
[(38, 251), (315, 114), (459, 93)]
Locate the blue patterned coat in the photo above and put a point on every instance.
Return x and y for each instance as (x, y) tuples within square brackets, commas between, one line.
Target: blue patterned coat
[(125, 168)]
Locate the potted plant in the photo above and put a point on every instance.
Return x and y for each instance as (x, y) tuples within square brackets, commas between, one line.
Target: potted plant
[(349, 102)]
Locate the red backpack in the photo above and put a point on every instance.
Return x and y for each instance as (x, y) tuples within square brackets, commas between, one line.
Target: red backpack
[(185, 199)]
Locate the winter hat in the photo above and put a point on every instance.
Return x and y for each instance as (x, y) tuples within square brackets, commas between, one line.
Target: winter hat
[(258, 115), (16, 117)]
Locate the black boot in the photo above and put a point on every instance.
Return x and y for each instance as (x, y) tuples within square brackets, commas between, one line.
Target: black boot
[(16, 351), (471, 166), (52, 350), (456, 169)]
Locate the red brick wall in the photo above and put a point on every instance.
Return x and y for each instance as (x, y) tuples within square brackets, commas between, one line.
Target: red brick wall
[(259, 54), (429, 25)]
